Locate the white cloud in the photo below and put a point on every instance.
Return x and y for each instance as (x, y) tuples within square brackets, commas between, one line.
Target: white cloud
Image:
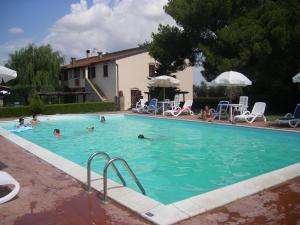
[(10, 47), (15, 30), (107, 25)]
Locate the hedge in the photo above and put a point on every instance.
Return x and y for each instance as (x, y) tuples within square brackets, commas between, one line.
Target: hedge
[(59, 109), (212, 102)]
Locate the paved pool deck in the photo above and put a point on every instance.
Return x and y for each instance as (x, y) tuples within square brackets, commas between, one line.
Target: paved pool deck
[(49, 196)]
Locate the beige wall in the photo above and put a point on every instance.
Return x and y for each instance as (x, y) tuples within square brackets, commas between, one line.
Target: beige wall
[(133, 73), (186, 82), (106, 84)]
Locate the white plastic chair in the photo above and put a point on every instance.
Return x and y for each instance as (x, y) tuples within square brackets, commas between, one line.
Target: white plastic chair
[(257, 112), (139, 105), (243, 105), (176, 103), (186, 108), (8, 180)]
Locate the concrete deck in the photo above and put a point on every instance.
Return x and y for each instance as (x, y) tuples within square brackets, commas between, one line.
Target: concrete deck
[(49, 196)]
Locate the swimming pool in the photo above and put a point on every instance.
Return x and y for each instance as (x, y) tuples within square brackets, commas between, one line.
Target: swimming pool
[(182, 159)]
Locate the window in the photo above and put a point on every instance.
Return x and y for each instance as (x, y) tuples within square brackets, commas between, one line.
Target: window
[(105, 70), (151, 70), (65, 75), (77, 82), (77, 73), (92, 72)]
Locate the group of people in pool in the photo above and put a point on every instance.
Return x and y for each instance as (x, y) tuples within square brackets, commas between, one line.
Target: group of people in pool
[(92, 128), (56, 132), (33, 121)]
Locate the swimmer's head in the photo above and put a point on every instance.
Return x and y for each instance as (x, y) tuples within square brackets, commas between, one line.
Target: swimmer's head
[(56, 132), (141, 136), (21, 120)]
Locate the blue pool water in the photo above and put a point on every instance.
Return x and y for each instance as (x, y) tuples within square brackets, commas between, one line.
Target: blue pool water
[(181, 160)]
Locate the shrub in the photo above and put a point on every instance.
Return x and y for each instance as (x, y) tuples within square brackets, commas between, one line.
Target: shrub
[(79, 108), (36, 104), (59, 109), (15, 111), (212, 102)]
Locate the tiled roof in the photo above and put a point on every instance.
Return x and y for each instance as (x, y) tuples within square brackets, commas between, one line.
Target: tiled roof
[(104, 58)]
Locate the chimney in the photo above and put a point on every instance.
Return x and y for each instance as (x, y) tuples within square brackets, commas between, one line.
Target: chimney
[(73, 60), (88, 53), (100, 54)]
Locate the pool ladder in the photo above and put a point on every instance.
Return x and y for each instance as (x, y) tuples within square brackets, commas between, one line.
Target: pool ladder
[(110, 161)]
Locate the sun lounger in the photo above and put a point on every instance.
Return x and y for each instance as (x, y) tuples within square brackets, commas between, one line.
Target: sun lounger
[(258, 111), (139, 106), (186, 108), (151, 108), (293, 120), (221, 110), (8, 180)]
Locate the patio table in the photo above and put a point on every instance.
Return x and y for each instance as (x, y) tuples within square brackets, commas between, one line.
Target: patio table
[(231, 105), (163, 103)]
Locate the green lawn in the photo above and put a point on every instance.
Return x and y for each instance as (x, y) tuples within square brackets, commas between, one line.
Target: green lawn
[(273, 117)]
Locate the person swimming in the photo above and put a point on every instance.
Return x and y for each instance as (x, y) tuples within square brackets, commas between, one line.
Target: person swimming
[(91, 128), (34, 120), (102, 120), (22, 123), (141, 136), (56, 133)]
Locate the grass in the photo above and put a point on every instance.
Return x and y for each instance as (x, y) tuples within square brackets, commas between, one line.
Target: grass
[(273, 117)]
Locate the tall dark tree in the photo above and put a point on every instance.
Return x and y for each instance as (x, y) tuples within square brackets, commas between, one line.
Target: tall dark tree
[(260, 38)]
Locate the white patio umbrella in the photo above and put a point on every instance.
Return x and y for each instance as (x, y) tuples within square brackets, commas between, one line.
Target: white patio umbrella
[(231, 79), (164, 82), (4, 92), (296, 79), (7, 74)]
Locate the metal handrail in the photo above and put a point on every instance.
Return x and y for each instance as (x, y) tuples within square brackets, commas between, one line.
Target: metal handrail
[(110, 162), (89, 162)]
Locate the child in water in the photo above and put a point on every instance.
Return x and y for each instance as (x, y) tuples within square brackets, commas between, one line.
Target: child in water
[(141, 136), (56, 133), (102, 119), (22, 123), (34, 120), (91, 128)]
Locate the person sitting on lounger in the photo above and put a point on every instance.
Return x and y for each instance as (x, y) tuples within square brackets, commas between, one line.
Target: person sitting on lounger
[(205, 114)]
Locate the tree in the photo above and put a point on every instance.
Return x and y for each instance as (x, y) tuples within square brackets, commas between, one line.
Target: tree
[(203, 90), (169, 57), (260, 38), (37, 66)]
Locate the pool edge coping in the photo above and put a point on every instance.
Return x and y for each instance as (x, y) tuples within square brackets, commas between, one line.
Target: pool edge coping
[(151, 209)]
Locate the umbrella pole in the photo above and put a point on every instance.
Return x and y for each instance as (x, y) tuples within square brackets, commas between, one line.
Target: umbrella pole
[(164, 90)]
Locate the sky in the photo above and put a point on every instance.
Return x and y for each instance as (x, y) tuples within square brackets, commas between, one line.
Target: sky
[(72, 26)]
